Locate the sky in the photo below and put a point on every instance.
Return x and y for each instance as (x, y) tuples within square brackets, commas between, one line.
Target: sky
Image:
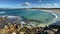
[(29, 3)]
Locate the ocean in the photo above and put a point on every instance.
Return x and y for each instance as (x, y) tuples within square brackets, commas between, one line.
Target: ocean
[(33, 15)]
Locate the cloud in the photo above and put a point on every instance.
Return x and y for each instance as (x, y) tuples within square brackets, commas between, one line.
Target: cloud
[(18, 4), (40, 1), (55, 4), (49, 4), (26, 4)]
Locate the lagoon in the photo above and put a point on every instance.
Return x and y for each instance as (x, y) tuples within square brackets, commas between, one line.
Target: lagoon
[(34, 15)]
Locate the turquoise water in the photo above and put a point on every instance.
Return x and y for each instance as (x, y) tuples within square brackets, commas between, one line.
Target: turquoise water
[(30, 14)]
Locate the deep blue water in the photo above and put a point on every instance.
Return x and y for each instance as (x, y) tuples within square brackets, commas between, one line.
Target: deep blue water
[(31, 14)]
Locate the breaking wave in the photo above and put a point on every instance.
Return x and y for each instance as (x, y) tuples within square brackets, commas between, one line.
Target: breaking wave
[(2, 12)]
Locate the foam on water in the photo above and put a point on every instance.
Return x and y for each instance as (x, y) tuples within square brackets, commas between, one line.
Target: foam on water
[(10, 16), (43, 25), (51, 13), (2, 12)]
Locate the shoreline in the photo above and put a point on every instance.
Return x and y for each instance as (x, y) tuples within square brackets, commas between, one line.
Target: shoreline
[(49, 12), (49, 9), (56, 11), (52, 21)]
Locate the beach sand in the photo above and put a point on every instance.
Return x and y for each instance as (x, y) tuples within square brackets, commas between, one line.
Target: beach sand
[(50, 9), (55, 10)]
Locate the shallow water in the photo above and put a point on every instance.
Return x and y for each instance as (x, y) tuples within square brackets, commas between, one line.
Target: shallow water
[(30, 14), (58, 14)]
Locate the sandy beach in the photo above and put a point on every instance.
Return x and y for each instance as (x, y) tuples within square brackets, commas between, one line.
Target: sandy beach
[(56, 11), (50, 9)]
